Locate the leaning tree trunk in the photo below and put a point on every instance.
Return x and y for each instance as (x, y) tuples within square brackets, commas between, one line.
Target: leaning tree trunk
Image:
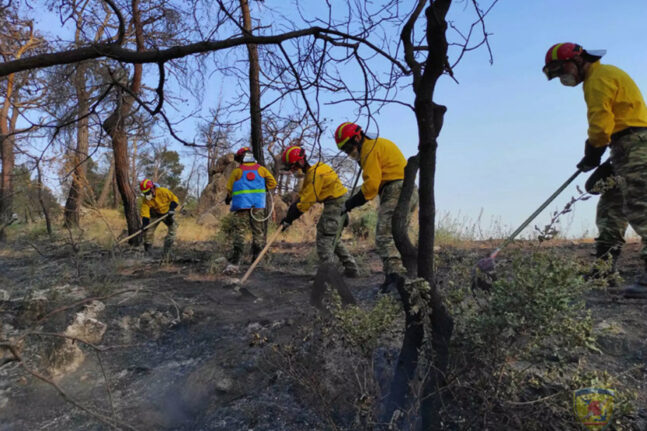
[(41, 200), (116, 129), (79, 181), (120, 150)]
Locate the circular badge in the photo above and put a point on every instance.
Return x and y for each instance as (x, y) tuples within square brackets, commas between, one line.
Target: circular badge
[(250, 176)]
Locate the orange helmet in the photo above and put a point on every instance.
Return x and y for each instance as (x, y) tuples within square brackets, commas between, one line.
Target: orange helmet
[(146, 185), (345, 131), (292, 155)]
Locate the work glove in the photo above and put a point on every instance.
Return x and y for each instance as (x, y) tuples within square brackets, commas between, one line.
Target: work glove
[(592, 157), (604, 171), (227, 200), (354, 201), (171, 209), (346, 218), (293, 214), (145, 222)]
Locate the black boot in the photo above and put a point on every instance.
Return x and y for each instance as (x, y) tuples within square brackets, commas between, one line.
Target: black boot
[(148, 249), (390, 283), (256, 250), (235, 257), (639, 289)]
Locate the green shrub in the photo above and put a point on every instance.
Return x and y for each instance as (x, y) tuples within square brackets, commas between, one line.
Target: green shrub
[(360, 329)]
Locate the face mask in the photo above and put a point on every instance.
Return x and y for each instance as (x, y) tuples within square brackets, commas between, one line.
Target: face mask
[(248, 158), (298, 173), (354, 154), (568, 80), (149, 197)]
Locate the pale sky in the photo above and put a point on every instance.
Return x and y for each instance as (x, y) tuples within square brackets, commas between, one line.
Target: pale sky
[(511, 137)]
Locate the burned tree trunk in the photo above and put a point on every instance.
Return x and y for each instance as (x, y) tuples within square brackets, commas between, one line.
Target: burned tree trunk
[(41, 200), (254, 89), (107, 185), (430, 315), (116, 128), (7, 152), (79, 181), (6, 184), (407, 250)]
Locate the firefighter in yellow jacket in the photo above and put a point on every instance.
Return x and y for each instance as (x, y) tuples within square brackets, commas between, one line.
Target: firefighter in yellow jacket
[(320, 185), (246, 190), (382, 165), (617, 117), (157, 202)]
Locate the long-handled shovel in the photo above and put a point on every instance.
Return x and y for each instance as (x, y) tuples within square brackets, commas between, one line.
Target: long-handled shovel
[(238, 284), (260, 255), (150, 225), (482, 272)]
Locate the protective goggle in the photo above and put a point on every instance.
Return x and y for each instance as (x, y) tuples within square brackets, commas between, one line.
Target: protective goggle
[(554, 68), (148, 192)]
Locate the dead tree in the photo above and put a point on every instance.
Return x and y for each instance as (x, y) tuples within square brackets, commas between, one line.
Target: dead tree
[(431, 319)]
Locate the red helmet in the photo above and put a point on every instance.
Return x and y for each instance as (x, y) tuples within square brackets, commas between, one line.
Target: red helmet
[(146, 185), (557, 55), (345, 131), (240, 154), (563, 51), (242, 151), (292, 155)]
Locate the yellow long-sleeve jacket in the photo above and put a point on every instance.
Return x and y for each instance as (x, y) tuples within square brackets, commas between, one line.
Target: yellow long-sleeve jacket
[(381, 161), (237, 174), (613, 101), (160, 202), (320, 183)]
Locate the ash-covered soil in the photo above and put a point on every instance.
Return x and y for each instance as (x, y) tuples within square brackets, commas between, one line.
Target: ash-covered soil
[(183, 350)]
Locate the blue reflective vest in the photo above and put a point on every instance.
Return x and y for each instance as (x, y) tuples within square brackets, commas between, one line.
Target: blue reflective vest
[(249, 191)]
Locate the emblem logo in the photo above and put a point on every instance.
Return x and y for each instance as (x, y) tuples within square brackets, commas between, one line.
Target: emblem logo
[(593, 407)]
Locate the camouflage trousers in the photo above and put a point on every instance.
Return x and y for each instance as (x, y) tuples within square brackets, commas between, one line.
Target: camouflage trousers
[(610, 220), (327, 228), (629, 160), (149, 234), (386, 249), (241, 222)]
